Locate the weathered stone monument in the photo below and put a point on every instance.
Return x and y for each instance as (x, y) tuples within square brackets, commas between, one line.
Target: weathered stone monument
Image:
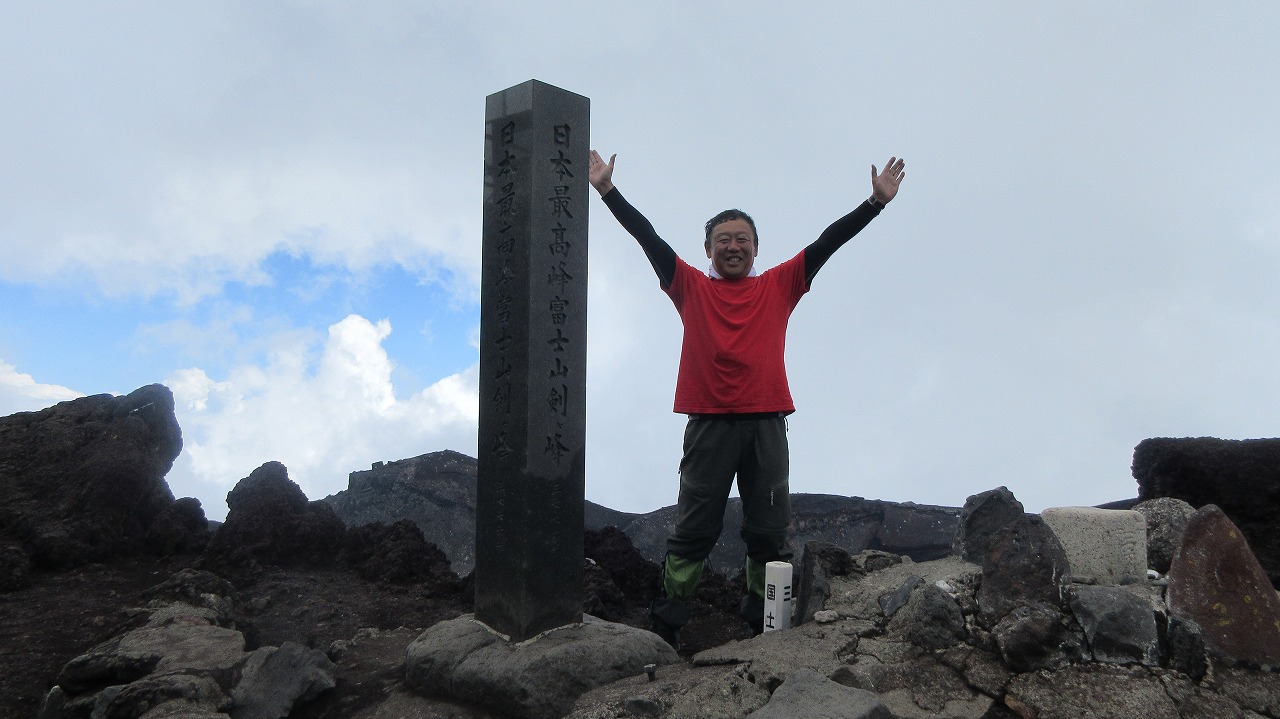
[(531, 462), (533, 340)]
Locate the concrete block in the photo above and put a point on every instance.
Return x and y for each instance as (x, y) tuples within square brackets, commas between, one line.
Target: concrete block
[(1105, 546)]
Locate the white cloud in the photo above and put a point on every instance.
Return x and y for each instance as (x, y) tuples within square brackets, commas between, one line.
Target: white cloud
[(322, 416), (21, 393), (136, 177), (1082, 256)]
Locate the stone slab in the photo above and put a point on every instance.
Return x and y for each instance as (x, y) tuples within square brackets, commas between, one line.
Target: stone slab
[(1104, 546), (806, 693), (539, 678)]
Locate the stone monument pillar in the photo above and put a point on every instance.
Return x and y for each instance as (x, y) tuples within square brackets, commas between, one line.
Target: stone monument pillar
[(533, 341)]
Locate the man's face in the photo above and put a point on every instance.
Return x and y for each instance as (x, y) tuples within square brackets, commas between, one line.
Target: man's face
[(733, 249)]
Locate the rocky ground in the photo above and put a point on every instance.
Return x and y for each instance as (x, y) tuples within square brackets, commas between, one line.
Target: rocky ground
[(1009, 622), (364, 625)]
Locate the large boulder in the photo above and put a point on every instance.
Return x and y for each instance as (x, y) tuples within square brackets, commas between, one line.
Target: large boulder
[(83, 480), (1242, 477), (1216, 582), (1025, 565), (269, 521), (395, 553), (982, 516), (535, 679)]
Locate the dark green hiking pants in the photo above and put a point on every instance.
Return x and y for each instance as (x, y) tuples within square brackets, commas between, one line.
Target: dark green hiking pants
[(716, 450)]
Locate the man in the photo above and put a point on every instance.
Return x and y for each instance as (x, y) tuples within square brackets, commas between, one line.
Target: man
[(732, 384)]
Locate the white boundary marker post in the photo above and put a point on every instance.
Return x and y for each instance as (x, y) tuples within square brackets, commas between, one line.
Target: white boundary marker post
[(777, 596)]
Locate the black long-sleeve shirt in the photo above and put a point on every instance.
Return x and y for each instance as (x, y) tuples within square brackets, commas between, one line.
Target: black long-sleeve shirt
[(663, 258)]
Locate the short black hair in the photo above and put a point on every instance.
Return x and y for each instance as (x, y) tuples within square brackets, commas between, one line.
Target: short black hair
[(727, 216)]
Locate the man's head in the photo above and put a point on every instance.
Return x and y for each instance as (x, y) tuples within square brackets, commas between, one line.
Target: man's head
[(732, 243)]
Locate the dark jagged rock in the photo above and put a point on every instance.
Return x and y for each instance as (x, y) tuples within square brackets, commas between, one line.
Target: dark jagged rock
[(821, 562), (1184, 645), (898, 598), (396, 553), (636, 577), (184, 662), (1033, 637), (931, 619), (1240, 476), (273, 679), (180, 528), (270, 521), (1166, 519), (601, 597), (1216, 582), (200, 589), (982, 516), (84, 480), (1025, 564), (1118, 625)]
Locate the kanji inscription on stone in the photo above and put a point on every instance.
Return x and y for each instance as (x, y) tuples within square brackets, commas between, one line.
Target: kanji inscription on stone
[(533, 339)]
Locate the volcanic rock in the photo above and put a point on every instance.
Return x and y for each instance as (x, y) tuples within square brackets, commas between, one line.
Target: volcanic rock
[(1033, 637), (397, 553), (806, 693), (1242, 477), (1216, 582), (1024, 564), (84, 479), (1166, 519), (270, 521), (539, 678), (930, 619), (1119, 626), (821, 561), (982, 516)]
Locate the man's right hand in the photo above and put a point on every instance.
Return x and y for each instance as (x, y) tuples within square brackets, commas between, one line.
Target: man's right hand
[(600, 173)]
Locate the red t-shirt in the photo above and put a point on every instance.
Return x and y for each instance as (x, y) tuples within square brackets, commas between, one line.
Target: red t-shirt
[(735, 334)]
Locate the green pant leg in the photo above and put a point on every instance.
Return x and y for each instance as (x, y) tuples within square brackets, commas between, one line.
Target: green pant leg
[(755, 578), (680, 576), (712, 450)]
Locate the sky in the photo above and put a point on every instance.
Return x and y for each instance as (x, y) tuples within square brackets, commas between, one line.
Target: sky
[(275, 210)]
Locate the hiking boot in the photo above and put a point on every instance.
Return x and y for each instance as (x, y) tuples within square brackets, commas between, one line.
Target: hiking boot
[(667, 616)]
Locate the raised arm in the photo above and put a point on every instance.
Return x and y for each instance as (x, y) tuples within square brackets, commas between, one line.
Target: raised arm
[(884, 187), (660, 254)]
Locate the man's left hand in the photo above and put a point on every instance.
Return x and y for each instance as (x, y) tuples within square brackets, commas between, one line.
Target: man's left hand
[(884, 185)]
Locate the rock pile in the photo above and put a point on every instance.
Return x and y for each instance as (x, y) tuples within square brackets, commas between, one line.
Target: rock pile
[(187, 659), (902, 611), (1021, 635), (1242, 477)]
